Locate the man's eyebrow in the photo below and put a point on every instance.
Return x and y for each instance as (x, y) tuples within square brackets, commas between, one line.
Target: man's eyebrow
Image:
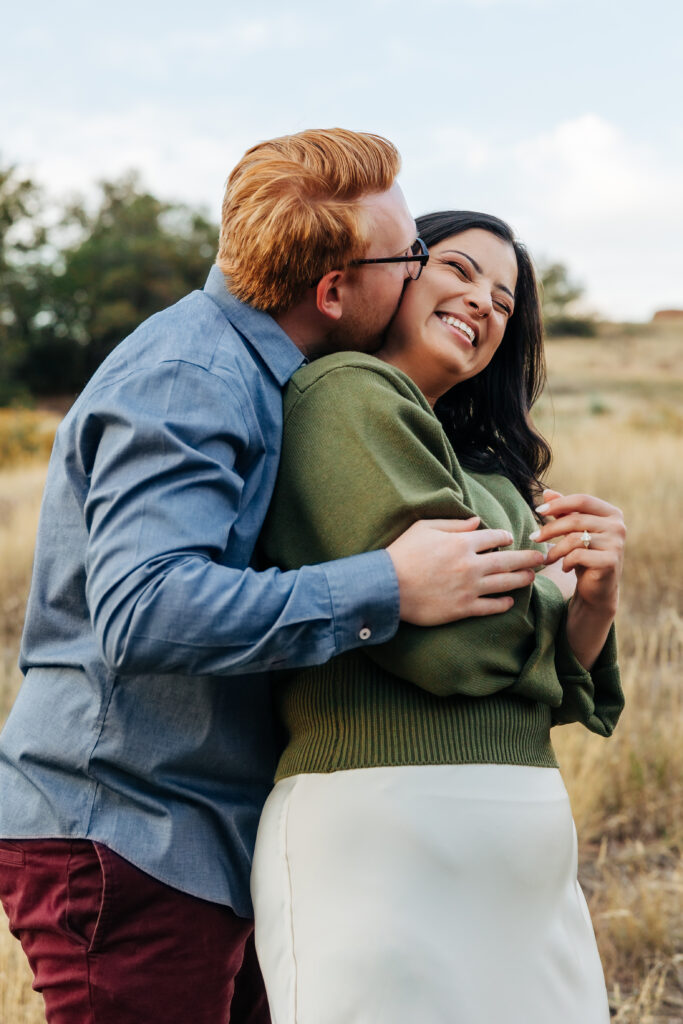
[(478, 269)]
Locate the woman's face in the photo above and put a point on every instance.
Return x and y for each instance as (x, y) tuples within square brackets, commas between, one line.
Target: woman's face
[(452, 319)]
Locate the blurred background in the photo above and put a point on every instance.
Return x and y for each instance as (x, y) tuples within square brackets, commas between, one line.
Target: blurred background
[(118, 128)]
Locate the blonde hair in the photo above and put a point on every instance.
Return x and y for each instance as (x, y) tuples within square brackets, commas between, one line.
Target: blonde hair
[(291, 211)]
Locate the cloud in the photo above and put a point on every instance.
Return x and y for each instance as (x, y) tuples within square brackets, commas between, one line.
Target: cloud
[(613, 206), (583, 192), (590, 169), (230, 41), (449, 4), (68, 153)]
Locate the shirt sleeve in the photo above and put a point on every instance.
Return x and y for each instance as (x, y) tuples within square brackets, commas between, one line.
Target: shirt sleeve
[(363, 458), (165, 453)]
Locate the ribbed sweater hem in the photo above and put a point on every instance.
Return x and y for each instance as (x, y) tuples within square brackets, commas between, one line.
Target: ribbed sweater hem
[(350, 714)]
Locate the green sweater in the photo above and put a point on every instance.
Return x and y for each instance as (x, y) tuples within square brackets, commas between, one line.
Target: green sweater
[(363, 457)]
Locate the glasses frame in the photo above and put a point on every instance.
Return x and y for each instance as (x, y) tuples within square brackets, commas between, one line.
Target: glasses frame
[(422, 258)]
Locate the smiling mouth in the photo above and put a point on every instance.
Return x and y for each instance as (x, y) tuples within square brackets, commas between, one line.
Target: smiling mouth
[(459, 325)]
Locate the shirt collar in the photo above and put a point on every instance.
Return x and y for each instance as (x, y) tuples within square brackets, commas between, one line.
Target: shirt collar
[(276, 348)]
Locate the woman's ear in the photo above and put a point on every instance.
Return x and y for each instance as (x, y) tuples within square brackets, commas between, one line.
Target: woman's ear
[(329, 294)]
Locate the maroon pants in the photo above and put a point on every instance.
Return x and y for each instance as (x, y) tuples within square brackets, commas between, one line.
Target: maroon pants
[(108, 944)]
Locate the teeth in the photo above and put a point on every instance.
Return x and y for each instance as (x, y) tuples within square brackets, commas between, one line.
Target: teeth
[(454, 322)]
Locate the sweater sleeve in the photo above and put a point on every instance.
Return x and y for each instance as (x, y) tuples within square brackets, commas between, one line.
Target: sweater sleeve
[(363, 458), (595, 698)]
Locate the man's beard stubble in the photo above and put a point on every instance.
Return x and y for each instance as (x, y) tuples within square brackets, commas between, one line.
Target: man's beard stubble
[(356, 331)]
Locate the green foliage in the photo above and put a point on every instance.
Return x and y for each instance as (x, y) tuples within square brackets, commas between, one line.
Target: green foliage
[(571, 326), (23, 240), (70, 293), (597, 406), (65, 306), (133, 256), (559, 294)]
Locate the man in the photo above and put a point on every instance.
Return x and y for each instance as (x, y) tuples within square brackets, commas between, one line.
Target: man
[(135, 762)]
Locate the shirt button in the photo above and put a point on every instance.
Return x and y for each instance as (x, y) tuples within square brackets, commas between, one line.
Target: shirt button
[(365, 633)]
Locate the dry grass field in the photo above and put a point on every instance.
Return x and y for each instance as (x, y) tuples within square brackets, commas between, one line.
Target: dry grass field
[(614, 414)]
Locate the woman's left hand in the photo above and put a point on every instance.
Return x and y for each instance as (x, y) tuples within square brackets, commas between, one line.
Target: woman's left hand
[(592, 535)]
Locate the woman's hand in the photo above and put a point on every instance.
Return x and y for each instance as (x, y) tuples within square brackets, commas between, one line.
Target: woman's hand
[(597, 564), (564, 581)]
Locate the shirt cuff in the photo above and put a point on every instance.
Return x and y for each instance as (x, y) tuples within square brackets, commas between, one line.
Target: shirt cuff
[(365, 599)]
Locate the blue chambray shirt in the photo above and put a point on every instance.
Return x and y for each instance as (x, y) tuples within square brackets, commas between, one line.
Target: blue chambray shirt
[(136, 724)]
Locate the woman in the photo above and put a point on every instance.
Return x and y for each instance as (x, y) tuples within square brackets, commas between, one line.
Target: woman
[(416, 860)]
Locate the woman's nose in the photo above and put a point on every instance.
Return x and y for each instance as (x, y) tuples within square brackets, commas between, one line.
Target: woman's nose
[(479, 301)]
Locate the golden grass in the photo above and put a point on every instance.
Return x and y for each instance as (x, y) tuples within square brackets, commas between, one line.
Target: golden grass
[(20, 491), (613, 414), (25, 434), (19, 1004)]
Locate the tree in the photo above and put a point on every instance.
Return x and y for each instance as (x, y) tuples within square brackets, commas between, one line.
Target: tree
[(131, 257), (559, 295), (23, 240)]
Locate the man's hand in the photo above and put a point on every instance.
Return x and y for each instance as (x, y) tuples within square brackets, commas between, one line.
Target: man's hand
[(447, 569)]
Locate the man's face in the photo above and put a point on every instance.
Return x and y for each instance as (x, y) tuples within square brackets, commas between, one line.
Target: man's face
[(374, 291)]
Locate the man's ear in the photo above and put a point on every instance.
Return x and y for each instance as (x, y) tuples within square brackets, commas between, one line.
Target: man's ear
[(329, 294)]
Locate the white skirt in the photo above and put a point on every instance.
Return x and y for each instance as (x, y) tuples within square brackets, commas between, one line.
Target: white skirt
[(424, 895)]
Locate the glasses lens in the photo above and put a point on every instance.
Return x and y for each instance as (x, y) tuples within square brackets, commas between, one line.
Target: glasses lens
[(415, 266)]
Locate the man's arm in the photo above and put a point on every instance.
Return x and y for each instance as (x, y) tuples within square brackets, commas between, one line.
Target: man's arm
[(161, 451)]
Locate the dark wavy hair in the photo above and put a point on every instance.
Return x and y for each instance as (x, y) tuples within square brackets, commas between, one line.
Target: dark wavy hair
[(487, 418)]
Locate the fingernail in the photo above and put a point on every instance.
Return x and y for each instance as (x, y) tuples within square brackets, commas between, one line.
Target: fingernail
[(542, 509), (535, 535)]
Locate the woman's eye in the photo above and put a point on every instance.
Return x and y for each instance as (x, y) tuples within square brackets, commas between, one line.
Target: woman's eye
[(503, 307), (458, 267)]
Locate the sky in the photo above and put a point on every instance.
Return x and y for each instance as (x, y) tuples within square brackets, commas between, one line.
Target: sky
[(563, 117)]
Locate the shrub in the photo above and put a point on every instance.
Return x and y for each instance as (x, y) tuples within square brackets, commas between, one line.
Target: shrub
[(25, 434)]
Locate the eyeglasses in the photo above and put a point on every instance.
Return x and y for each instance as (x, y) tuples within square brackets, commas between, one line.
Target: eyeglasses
[(419, 256)]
